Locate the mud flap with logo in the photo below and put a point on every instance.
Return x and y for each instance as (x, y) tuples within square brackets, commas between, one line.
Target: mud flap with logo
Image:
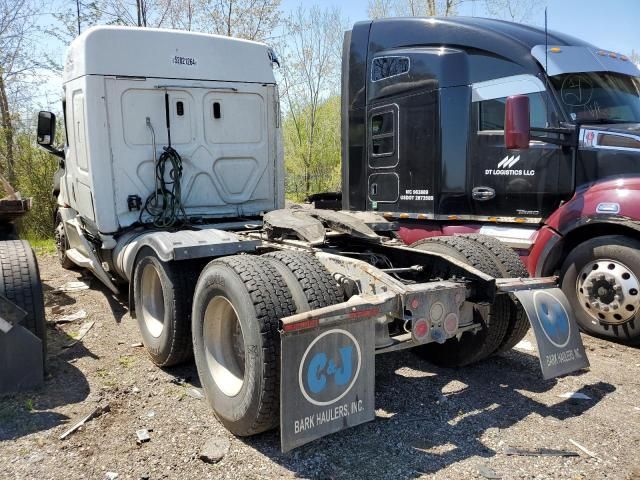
[(559, 343), (327, 380)]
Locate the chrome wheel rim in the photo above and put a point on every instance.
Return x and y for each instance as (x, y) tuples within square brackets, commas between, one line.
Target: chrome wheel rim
[(152, 301), (224, 345), (60, 239), (608, 291)]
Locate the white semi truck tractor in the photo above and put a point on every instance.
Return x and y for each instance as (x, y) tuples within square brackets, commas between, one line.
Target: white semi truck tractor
[(171, 191)]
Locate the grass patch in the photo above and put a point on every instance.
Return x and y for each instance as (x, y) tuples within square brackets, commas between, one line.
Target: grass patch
[(28, 405), (127, 361), (43, 246), (110, 382)]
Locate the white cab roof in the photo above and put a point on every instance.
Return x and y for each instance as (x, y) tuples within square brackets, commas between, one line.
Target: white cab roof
[(161, 53)]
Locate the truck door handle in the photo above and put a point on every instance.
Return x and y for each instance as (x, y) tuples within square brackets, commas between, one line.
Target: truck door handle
[(483, 193)]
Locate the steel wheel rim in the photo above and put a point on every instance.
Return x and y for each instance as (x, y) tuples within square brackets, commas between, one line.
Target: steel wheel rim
[(608, 291), (152, 300), (60, 239), (224, 345)]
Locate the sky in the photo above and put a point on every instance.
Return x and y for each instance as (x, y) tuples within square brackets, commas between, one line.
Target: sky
[(608, 24)]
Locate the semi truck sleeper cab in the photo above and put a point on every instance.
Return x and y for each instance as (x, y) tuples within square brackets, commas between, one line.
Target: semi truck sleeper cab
[(477, 126)]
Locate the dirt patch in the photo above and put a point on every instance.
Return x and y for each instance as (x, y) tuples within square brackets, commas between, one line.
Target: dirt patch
[(430, 422)]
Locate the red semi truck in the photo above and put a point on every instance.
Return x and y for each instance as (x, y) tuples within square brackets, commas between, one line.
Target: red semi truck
[(483, 127)]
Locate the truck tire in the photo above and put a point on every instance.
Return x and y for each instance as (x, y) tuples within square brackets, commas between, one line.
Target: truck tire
[(21, 285), (62, 245), (470, 348), (510, 266), (237, 307), (163, 293), (310, 283), (601, 279)]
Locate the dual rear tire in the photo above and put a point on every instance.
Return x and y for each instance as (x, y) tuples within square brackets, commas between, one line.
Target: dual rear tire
[(504, 325), (228, 318), (237, 307)]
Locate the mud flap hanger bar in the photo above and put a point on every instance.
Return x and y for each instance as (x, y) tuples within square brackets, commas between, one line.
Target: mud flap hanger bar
[(358, 306), (509, 285)]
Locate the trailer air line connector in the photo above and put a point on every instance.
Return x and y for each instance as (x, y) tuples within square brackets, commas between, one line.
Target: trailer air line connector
[(164, 205)]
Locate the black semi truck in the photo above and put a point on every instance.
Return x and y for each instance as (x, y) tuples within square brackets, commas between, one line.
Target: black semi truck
[(473, 126)]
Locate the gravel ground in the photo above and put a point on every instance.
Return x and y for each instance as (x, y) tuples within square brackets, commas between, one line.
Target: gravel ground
[(430, 422)]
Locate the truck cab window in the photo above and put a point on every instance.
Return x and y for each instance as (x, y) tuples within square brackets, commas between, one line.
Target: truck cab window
[(491, 113), (386, 67), (64, 120), (599, 96), (383, 134)]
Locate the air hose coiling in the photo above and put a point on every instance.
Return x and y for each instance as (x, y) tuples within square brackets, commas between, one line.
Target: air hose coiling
[(164, 206)]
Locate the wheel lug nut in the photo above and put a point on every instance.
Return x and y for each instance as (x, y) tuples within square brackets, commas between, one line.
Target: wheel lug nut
[(605, 308), (595, 305), (600, 276), (617, 298), (611, 281), (615, 306), (617, 287)]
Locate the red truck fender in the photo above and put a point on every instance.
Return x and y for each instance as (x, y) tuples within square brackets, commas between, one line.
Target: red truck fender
[(607, 207)]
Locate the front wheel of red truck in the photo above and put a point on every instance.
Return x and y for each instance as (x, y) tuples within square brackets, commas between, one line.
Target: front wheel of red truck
[(601, 279)]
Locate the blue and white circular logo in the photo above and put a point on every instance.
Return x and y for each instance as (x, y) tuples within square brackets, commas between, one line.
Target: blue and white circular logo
[(329, 367), (553, 318)]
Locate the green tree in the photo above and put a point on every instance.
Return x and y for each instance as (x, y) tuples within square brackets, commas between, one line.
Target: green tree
[(250, 19), (512, 10), (316, 170), (17, 67), (309, 77), (34, 179), (412, 8)]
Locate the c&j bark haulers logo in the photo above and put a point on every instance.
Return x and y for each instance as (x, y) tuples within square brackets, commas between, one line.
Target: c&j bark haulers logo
[(329, 368), (506, 167), (327, 380), (553, 317)]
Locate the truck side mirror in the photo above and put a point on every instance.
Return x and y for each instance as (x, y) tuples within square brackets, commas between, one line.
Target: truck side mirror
[(516, 122), (46, 129)]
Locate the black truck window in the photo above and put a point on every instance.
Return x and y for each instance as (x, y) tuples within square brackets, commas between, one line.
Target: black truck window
[(383, 134), (385, 67), (600, 96), (64, 119), (491, 113)]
